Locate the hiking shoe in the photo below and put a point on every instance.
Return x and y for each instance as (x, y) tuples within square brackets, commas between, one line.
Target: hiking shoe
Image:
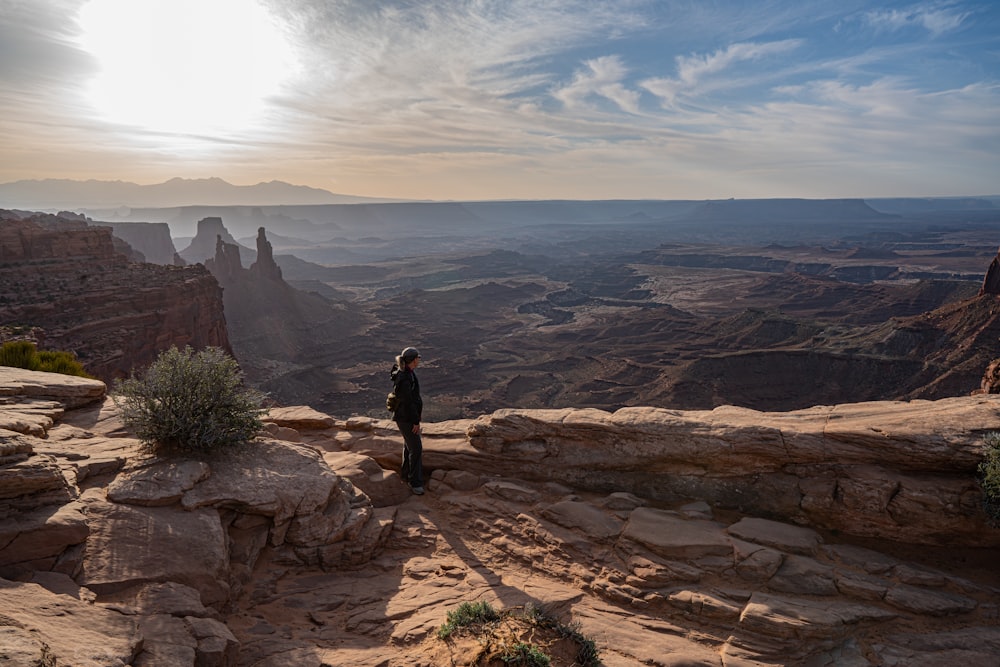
[(419, 490)]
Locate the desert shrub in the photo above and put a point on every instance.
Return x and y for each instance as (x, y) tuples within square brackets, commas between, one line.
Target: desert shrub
[(19, 354), (468, 613), (498, 632), (23, 354), (189, 401), (587, 654), (989, 477), (528, 655), (52, 361)]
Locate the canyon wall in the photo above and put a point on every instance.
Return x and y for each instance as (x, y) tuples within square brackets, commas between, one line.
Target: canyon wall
[(64, 281)]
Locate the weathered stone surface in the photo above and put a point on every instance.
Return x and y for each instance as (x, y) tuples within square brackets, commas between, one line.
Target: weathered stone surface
[(384, 487), (67, 632), (162, 483), (131, 545), (673, 537), (29, 475), (803, 576), (795, 539), (34, 539), (805, 619), (299, 417), (309, 572), (66, 390), (902, 470), (585, 518), (931, 603), (280, 480), (968, 647)]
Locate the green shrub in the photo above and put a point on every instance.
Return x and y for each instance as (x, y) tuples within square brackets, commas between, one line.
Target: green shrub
[(23, 354), (189, 401), (989, 477), (587, 654), (468, 613), (60, 362), (487, 623), (528, 655), (19, 354)]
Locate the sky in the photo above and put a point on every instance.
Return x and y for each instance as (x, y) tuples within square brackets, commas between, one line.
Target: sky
[(509, 99)]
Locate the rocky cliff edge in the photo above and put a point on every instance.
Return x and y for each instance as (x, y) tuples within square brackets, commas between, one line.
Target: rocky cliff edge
[(726, 537)]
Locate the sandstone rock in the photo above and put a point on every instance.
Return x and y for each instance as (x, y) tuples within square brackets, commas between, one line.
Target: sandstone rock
[(129, 546), (756, 563), (162, 483), (217, 647), (931, 603), (65, 631), (668, 535), (511, 491), (969, 647), (459, 480), (168, 641), (116, 315), (300, 418), (66, 390), (383, 487), (775, 534), (256, 479), (623, 501), (154, 599), (34, 540), (905, 471), (803, 576), (585, 518), (803, 619), (152, 239), (33, 479)]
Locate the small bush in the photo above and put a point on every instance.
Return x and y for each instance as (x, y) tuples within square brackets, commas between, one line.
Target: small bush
[(189, 401), (23, 354), (468, 613), (989, 477), (500, 632), (528, 655), (19, 354)]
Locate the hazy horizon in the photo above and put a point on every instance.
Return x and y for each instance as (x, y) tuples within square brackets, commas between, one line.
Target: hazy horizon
[(516, 100)]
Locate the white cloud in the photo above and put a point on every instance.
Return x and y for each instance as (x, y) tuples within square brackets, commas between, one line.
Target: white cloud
[(936, 18), (693, 69), (601, 77)]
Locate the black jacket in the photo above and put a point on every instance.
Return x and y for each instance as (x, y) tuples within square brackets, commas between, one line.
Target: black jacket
[(407, 389)]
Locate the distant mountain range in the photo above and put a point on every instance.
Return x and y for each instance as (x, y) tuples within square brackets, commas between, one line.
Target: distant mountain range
[(63, 194), (53, 195)]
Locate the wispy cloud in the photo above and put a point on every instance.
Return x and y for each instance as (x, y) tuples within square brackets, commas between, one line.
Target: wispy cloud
[(937, 18), (601, 77), (692, 70), (559, 98)]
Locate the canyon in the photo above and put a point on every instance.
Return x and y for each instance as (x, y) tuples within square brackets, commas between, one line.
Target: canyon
[(711, 433)]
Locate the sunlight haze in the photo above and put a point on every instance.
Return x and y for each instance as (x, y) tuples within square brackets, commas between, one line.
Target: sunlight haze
[(508, 99)]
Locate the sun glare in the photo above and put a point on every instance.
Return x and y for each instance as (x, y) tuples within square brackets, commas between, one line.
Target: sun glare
[(184, 66)]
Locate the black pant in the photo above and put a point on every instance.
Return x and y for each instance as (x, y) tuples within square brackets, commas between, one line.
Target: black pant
[(413, 450)]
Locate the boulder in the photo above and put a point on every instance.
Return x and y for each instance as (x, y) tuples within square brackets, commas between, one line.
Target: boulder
[(38, 627)]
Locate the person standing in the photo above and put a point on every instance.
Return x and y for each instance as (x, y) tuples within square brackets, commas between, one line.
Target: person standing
[(407, 415)]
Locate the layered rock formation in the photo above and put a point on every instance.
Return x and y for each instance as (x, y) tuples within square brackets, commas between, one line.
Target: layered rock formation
[(204, 245), (80, 295), (144, 556), (152, 239), (277, 331), (652, 531)]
